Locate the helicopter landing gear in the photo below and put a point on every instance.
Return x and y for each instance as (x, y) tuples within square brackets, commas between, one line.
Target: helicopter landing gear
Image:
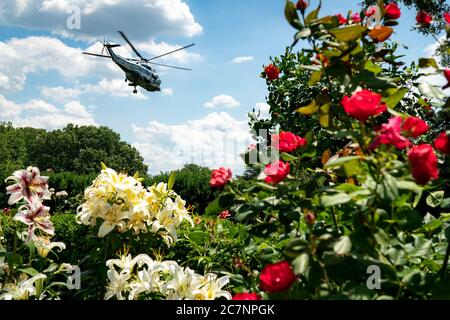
[(135, 90), (126, 80)]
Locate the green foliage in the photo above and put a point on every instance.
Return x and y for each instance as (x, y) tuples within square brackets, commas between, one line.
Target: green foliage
[(73, 152), (191, 182)]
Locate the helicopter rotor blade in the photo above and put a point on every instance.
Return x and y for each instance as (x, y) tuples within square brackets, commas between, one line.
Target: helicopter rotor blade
[(165, 54), (131, 45), (169, 66), (97, 55)]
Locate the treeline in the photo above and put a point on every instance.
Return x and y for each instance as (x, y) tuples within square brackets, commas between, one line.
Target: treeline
[(71, 157)]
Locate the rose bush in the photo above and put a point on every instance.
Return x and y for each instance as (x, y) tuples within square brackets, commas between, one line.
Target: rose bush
[(368, 190)]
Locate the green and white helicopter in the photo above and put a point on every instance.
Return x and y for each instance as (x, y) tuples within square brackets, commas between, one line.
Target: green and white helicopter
[(138, 72)]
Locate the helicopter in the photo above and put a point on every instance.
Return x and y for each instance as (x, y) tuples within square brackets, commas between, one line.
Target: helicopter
[(138, 72)]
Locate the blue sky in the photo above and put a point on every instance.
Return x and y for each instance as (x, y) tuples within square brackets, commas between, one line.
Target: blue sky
[(46, 82)]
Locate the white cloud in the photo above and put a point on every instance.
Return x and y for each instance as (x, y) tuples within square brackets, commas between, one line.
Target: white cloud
[(60, 94), (141, 19), (40, 114), (239, 60), (213, 141), (222, 101), (21, 57), (114, 87), (167, 92)]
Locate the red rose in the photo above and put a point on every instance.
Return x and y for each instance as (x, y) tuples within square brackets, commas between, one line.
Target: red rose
[(302, 5), (363, 104), (447, 17), (423, 163), (272, 72), (220, 177), (442, 143), (447, 76), (342, 20), (277, 277), (287, 141), (356, 18), (246, 296), (371, 11), (424, 18), (225, 214), (390, 133), (310, 218), (277, 172), (415, 127), (392, 11)]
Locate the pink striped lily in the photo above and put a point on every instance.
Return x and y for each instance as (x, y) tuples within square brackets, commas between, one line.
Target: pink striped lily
[(28, 183), (35, 215)]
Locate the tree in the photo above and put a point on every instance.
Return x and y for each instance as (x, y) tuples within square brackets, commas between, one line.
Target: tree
[(73, 149)]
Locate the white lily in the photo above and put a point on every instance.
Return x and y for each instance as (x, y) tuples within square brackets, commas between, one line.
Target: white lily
[(44, 246), (118, 285), (211, 288), (22, 290), (183, 285)]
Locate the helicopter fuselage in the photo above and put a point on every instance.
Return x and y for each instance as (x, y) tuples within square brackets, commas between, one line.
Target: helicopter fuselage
[(138, 74)]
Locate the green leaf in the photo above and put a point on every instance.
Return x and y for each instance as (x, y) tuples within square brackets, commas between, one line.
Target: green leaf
[(334, 200), (372, 67), (288, 157), (340, 161), (435, 198), (310, 68), (409, 185), (265, 186), (30, 271), (315, 77), (171, 182), (414, 279), (14, 259), (301, 264), (295, 247), (199, 237), (343, 246), (428, 62), (290, 12), (445, 204), (263, 230), (352, 168), (213, 208), (393, 100), (226, 200), (421, 248), (244, 212), (309, 109), (387, 190), (312, 15), (349, 33)]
